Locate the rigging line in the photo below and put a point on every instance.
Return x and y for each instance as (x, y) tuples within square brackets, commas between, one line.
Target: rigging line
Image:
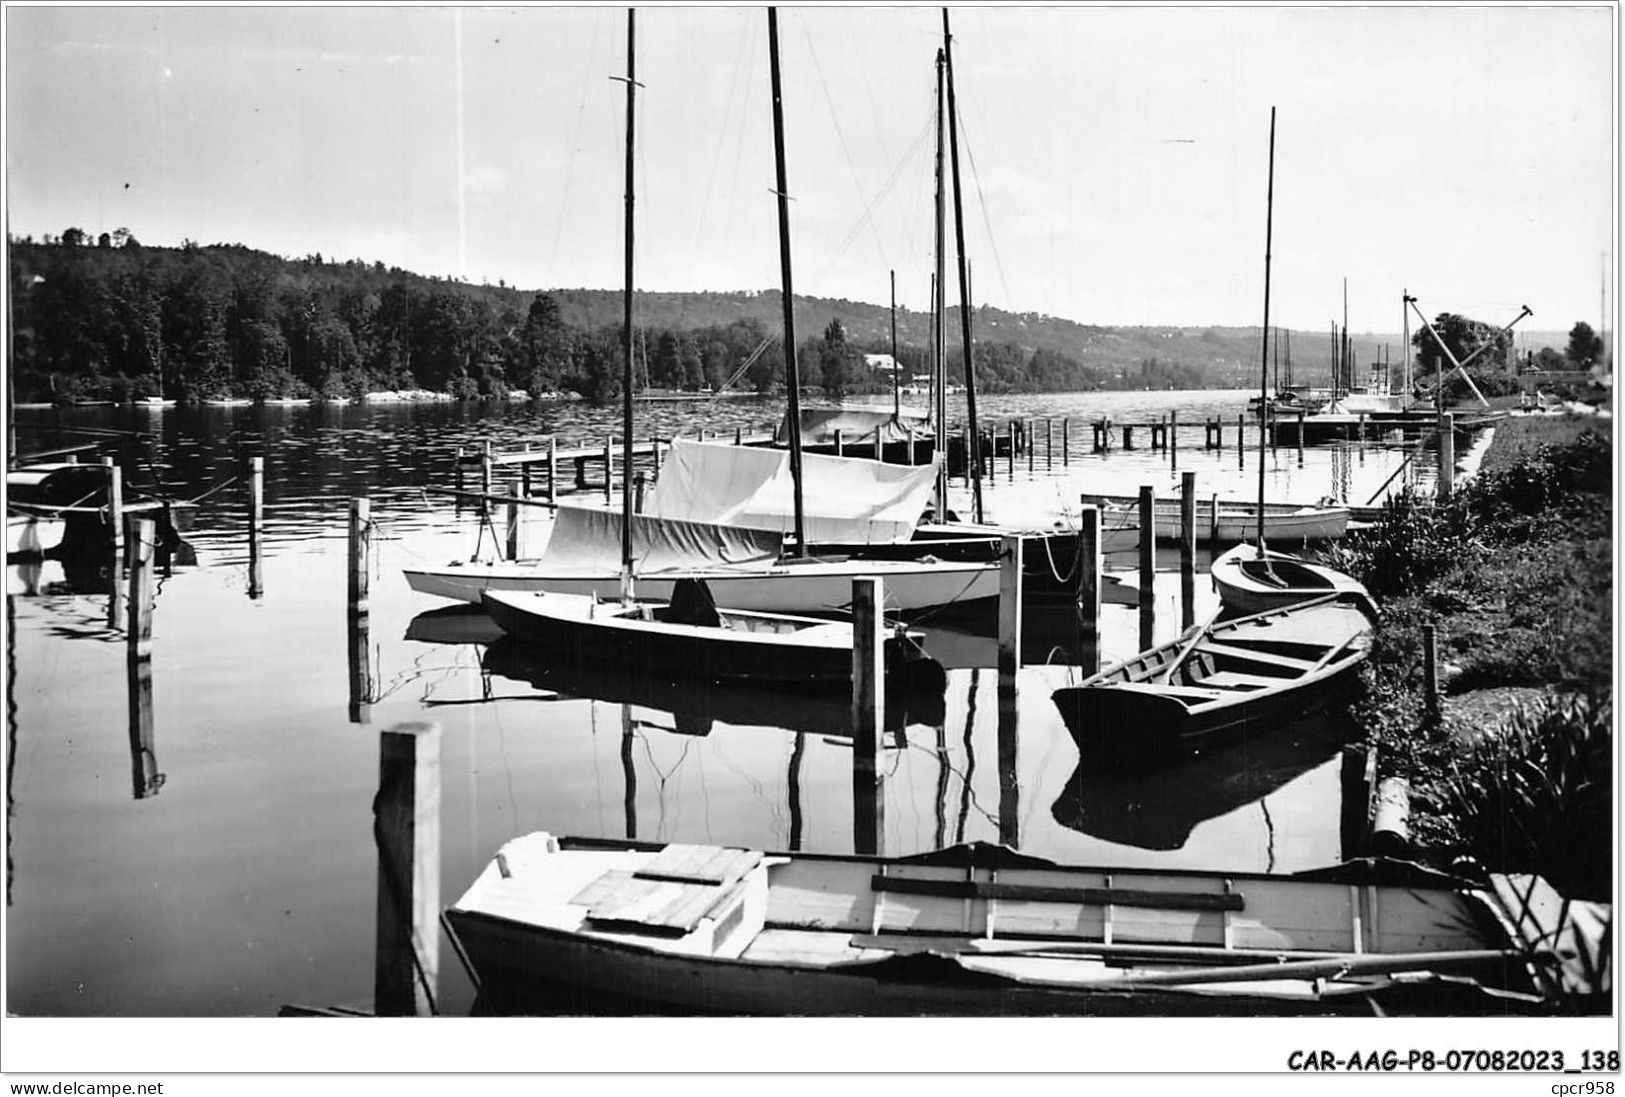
[(575, 141), (866, 218), (840, 136), (752, 51), (723, 131), (981, 199)]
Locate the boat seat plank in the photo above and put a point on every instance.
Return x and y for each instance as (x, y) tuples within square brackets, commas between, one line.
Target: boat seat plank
[(699, 864), (1122, 897), (625, 902), (1177, 692), (1229, 651), (1231, 679)]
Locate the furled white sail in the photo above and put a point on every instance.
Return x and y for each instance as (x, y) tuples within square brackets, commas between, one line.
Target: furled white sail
[(586, 537)]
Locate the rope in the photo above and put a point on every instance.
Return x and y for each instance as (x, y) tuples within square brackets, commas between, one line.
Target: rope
[(217, 487)]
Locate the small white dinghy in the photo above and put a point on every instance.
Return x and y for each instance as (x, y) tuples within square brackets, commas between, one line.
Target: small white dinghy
[(1250, 580)]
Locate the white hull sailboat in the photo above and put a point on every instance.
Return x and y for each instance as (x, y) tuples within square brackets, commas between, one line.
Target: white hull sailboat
[(1249, 580)]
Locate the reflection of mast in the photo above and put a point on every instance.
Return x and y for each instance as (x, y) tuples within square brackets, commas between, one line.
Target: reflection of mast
[(964, 271), (1009, 790), (793, 784), (942, 787), (631, 782), (970, 752)]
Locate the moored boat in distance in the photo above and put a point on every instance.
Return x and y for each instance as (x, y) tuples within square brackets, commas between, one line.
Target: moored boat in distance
[(1220, 680), (1238, 518), (578, 925)]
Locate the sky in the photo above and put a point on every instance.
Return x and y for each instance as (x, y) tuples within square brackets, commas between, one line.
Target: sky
[(1114, 161)]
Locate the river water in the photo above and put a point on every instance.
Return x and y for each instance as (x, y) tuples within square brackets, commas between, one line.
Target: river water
[(247, 877)]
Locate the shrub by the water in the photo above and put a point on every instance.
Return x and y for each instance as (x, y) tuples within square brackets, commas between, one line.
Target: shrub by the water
[(1535, 795)]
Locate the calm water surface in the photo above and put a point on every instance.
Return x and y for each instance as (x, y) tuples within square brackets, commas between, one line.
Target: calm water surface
[(248, 880)]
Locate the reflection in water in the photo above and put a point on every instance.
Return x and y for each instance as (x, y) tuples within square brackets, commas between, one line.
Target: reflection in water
[(1159, 810), (362, 688), (145, 780), (798, 753), (11, 734), (1009, 788), (406, 829)]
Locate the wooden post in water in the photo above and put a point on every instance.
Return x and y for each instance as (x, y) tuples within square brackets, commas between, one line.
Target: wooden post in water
[(840, 445), (640, 484), (1010, 429), (1010, 553), (1148, 564), (909, 460), (357, 615), (115, 534), (406, 825), (485, 476), (141, 538), (1128, 436), (868, 714), (1213, 527), (1066, 442), (609, 469), (256, 517), (515, 527), (1049, 443), (1430, 674), (739, 436), (1447, 454), (458, 478), (1241, 440), (970, 456), (1027, 444), (553, 469), (1300, 437), (1172, 440), (1187, 549), (1088, 565)]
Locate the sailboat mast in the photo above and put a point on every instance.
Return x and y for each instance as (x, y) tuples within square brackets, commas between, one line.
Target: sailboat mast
[(939, 346), (896, 367), (964, 279), (792, 370), (1264, 364), (627, 333)]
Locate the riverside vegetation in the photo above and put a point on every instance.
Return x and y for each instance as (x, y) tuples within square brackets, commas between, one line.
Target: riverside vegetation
[(1514, 570)]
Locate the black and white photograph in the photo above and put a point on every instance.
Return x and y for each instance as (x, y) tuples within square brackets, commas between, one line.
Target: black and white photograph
[(537, 534)]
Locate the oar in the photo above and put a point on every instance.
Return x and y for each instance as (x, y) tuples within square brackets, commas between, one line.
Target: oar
[(1368, 964), (1185, 649)]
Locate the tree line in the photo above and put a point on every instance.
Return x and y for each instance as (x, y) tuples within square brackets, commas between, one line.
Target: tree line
[(109, 318)]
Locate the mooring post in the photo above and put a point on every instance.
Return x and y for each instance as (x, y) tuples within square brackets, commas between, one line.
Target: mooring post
[(553, 469), (1066, 442), (1010, 468), (868, 713), (1128, 436), (485, 477), (1430, 674), (406, 825), (143, 534), (1049, 443), (1088, 595), (609, 469), (1213, 527), (1447, 454), (1241, 440), (515, 528), (1300, 437), (115, 534), (1187, 549), (360, 553), (1172, 441), (458, 470), (256, 517), (1010, 554), (909, 460), (1027, 444), (840, 443), (1148, 564), (739, 436)]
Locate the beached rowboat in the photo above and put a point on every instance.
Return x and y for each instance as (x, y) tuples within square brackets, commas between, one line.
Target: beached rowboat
[(592, 925), (1249, 581)]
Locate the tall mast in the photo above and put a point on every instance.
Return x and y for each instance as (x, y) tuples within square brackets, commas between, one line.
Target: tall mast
[(1264, 363), (1348, 347), (626, 382), (896, 392), (792, 370), (940, 340), (964, 277)]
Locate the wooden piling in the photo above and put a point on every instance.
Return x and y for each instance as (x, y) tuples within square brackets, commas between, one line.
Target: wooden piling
[(840, 445), (739, 436), (1049, 443), (360, 554), (515, 527), (115, 531), (1447, 454), (1027, 444), (1173, 439), (553, 469), (256, 518), (458, 470), (1010, 429), (1300, 437), (407, 828), (1430, 674), (1187, 549), (1128, 436), (1148, 564), (485, 474), (1066, 442), (868, 714), (1213, 527), (1088, 594), (609, 469), (1010, 559), (143, 537), (1241, 440), (909, 460)]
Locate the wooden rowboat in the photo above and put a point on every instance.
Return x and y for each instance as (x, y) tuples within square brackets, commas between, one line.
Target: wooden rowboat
[(594, 926), (1220, 680), (690, 638), (1250, 581), (1291, 523)]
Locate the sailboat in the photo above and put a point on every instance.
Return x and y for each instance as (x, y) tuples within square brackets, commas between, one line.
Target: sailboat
[(1250, 578), (689, 637)]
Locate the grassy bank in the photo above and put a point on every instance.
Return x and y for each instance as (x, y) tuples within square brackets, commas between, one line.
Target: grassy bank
[(1515, 573)]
